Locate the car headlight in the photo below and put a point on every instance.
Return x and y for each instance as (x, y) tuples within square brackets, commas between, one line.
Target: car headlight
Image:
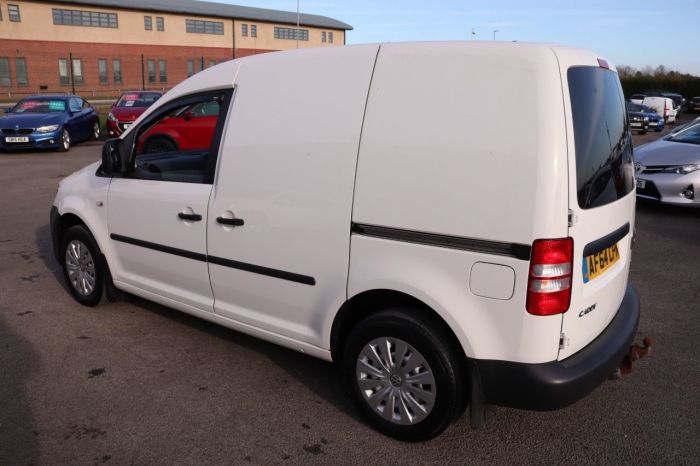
[(111, 117), (46, 129), (682, 169)]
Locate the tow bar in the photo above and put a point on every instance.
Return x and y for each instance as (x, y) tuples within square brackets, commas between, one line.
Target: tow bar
[(635, 353)]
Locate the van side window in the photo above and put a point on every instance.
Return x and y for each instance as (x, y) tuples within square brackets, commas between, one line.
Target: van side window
[(178, 144)]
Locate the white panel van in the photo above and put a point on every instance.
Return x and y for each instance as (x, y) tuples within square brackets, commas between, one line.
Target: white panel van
[(347, 203)]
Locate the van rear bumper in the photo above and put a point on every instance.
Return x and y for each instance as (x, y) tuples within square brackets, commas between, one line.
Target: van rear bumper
[(558, 384)]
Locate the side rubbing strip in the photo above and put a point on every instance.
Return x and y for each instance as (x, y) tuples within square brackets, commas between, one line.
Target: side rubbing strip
[(290, 276), (159, 247), (519, 251)]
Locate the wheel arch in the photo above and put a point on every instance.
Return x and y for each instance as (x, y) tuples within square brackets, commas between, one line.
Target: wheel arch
[(370, 302)]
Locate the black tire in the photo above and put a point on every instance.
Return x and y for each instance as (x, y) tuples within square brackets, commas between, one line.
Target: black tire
[(64, 141), (159, 144), (437, 347), (642, 132), (81, 235), (96, 130)]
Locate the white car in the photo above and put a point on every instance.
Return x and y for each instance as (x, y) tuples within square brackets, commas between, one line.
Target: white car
[(347, 203), (668, 170), (664, 106)]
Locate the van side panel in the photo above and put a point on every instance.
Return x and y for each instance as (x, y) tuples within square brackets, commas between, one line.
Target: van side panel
[(463, 141), (287, 168)]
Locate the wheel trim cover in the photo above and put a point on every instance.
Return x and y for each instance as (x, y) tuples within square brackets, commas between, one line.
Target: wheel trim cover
[(80, 267), (66, 139), (395, 381)]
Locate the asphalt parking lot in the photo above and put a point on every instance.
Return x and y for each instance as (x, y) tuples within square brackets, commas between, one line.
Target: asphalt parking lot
[(132, 382)]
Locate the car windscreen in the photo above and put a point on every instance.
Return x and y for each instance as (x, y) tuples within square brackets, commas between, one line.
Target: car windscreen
[(631, 107), (690, 135), (604, 165), (137, 99), (40, 106)]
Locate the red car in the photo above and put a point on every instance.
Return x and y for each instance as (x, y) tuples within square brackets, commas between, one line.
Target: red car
[(129, 107), (187, 129)]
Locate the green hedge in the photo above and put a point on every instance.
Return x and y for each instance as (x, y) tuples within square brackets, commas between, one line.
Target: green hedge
[(687, 86)]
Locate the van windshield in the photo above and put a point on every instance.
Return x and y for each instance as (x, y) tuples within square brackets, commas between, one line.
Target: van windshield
[(604, 165)]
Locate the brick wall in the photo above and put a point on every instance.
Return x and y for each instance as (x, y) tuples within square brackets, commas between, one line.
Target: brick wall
[(43, 69)]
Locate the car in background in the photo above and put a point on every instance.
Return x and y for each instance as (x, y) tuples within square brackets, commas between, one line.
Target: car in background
[(128, 107), (639, 121), (677, 100), (637, 98), (694, 105), (668, 170), (48, 122), (189, 128), (664, 106), (656, 121)]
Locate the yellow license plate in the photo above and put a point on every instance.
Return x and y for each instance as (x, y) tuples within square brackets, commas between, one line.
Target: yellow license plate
[(596, 264)]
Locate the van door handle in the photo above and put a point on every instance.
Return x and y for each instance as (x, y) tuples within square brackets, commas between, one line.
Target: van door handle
[(190, 217), (234, 222)]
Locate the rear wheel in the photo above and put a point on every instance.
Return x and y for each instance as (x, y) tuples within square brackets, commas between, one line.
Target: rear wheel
[(159, 145), (64, 141), (406, 378)]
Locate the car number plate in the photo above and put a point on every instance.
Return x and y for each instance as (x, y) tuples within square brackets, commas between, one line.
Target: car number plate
[(596, 264), (17, 139), (641, 184), (635, 125)]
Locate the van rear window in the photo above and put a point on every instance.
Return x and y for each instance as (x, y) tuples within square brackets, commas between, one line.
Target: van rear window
[(604, 165)]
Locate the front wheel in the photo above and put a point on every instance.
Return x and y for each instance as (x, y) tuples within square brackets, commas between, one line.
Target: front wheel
[(83, 267), (405, 376), (96, 130), (64, 141), (643, 131)]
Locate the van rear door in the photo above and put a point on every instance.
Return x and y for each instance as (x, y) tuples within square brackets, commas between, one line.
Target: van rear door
[(601, 199)]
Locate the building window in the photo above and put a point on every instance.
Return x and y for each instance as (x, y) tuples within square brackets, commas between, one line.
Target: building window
[(5, 80), (323, 36), (162, 68), (244, 30), (0, 13), (63, 77), (102, 70), (291, 33), (13, 13), (21, 72), (117, 71), (330, 37), (190, 68), (148, 23), (84, 18), (160, 23), (151, 65), (77, 65), (204, 27), (253, 30)]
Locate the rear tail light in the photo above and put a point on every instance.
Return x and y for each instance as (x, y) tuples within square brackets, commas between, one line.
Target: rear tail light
[(549, 283)]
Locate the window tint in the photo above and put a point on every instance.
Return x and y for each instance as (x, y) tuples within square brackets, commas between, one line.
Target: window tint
[(75, 104), (604, 166), (177, 146)]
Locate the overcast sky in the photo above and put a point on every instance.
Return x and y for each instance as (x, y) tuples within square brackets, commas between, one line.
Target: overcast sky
[(636, 33)]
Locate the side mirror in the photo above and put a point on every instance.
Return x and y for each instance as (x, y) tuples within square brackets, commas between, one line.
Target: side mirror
[(188, 115), (7, 109), (111, 158)]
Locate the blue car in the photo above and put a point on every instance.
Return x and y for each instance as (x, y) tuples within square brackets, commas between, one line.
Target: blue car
[(48, 122), (656, 121)]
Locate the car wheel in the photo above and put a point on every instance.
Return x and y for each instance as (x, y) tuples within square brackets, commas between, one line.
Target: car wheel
[(406, 378), (158, 145), (64, 141), (642, 131), (83, 266), (96, 130)]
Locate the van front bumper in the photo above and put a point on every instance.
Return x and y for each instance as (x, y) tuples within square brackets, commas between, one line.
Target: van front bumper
[(558, 384)]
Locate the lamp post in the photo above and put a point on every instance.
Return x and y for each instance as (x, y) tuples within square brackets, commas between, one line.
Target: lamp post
[(494, 33)]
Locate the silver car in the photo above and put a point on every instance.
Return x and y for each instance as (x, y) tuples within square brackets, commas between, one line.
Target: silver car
[(668, 170)]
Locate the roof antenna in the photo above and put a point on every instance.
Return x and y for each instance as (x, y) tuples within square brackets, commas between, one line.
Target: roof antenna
[(473, 33)]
